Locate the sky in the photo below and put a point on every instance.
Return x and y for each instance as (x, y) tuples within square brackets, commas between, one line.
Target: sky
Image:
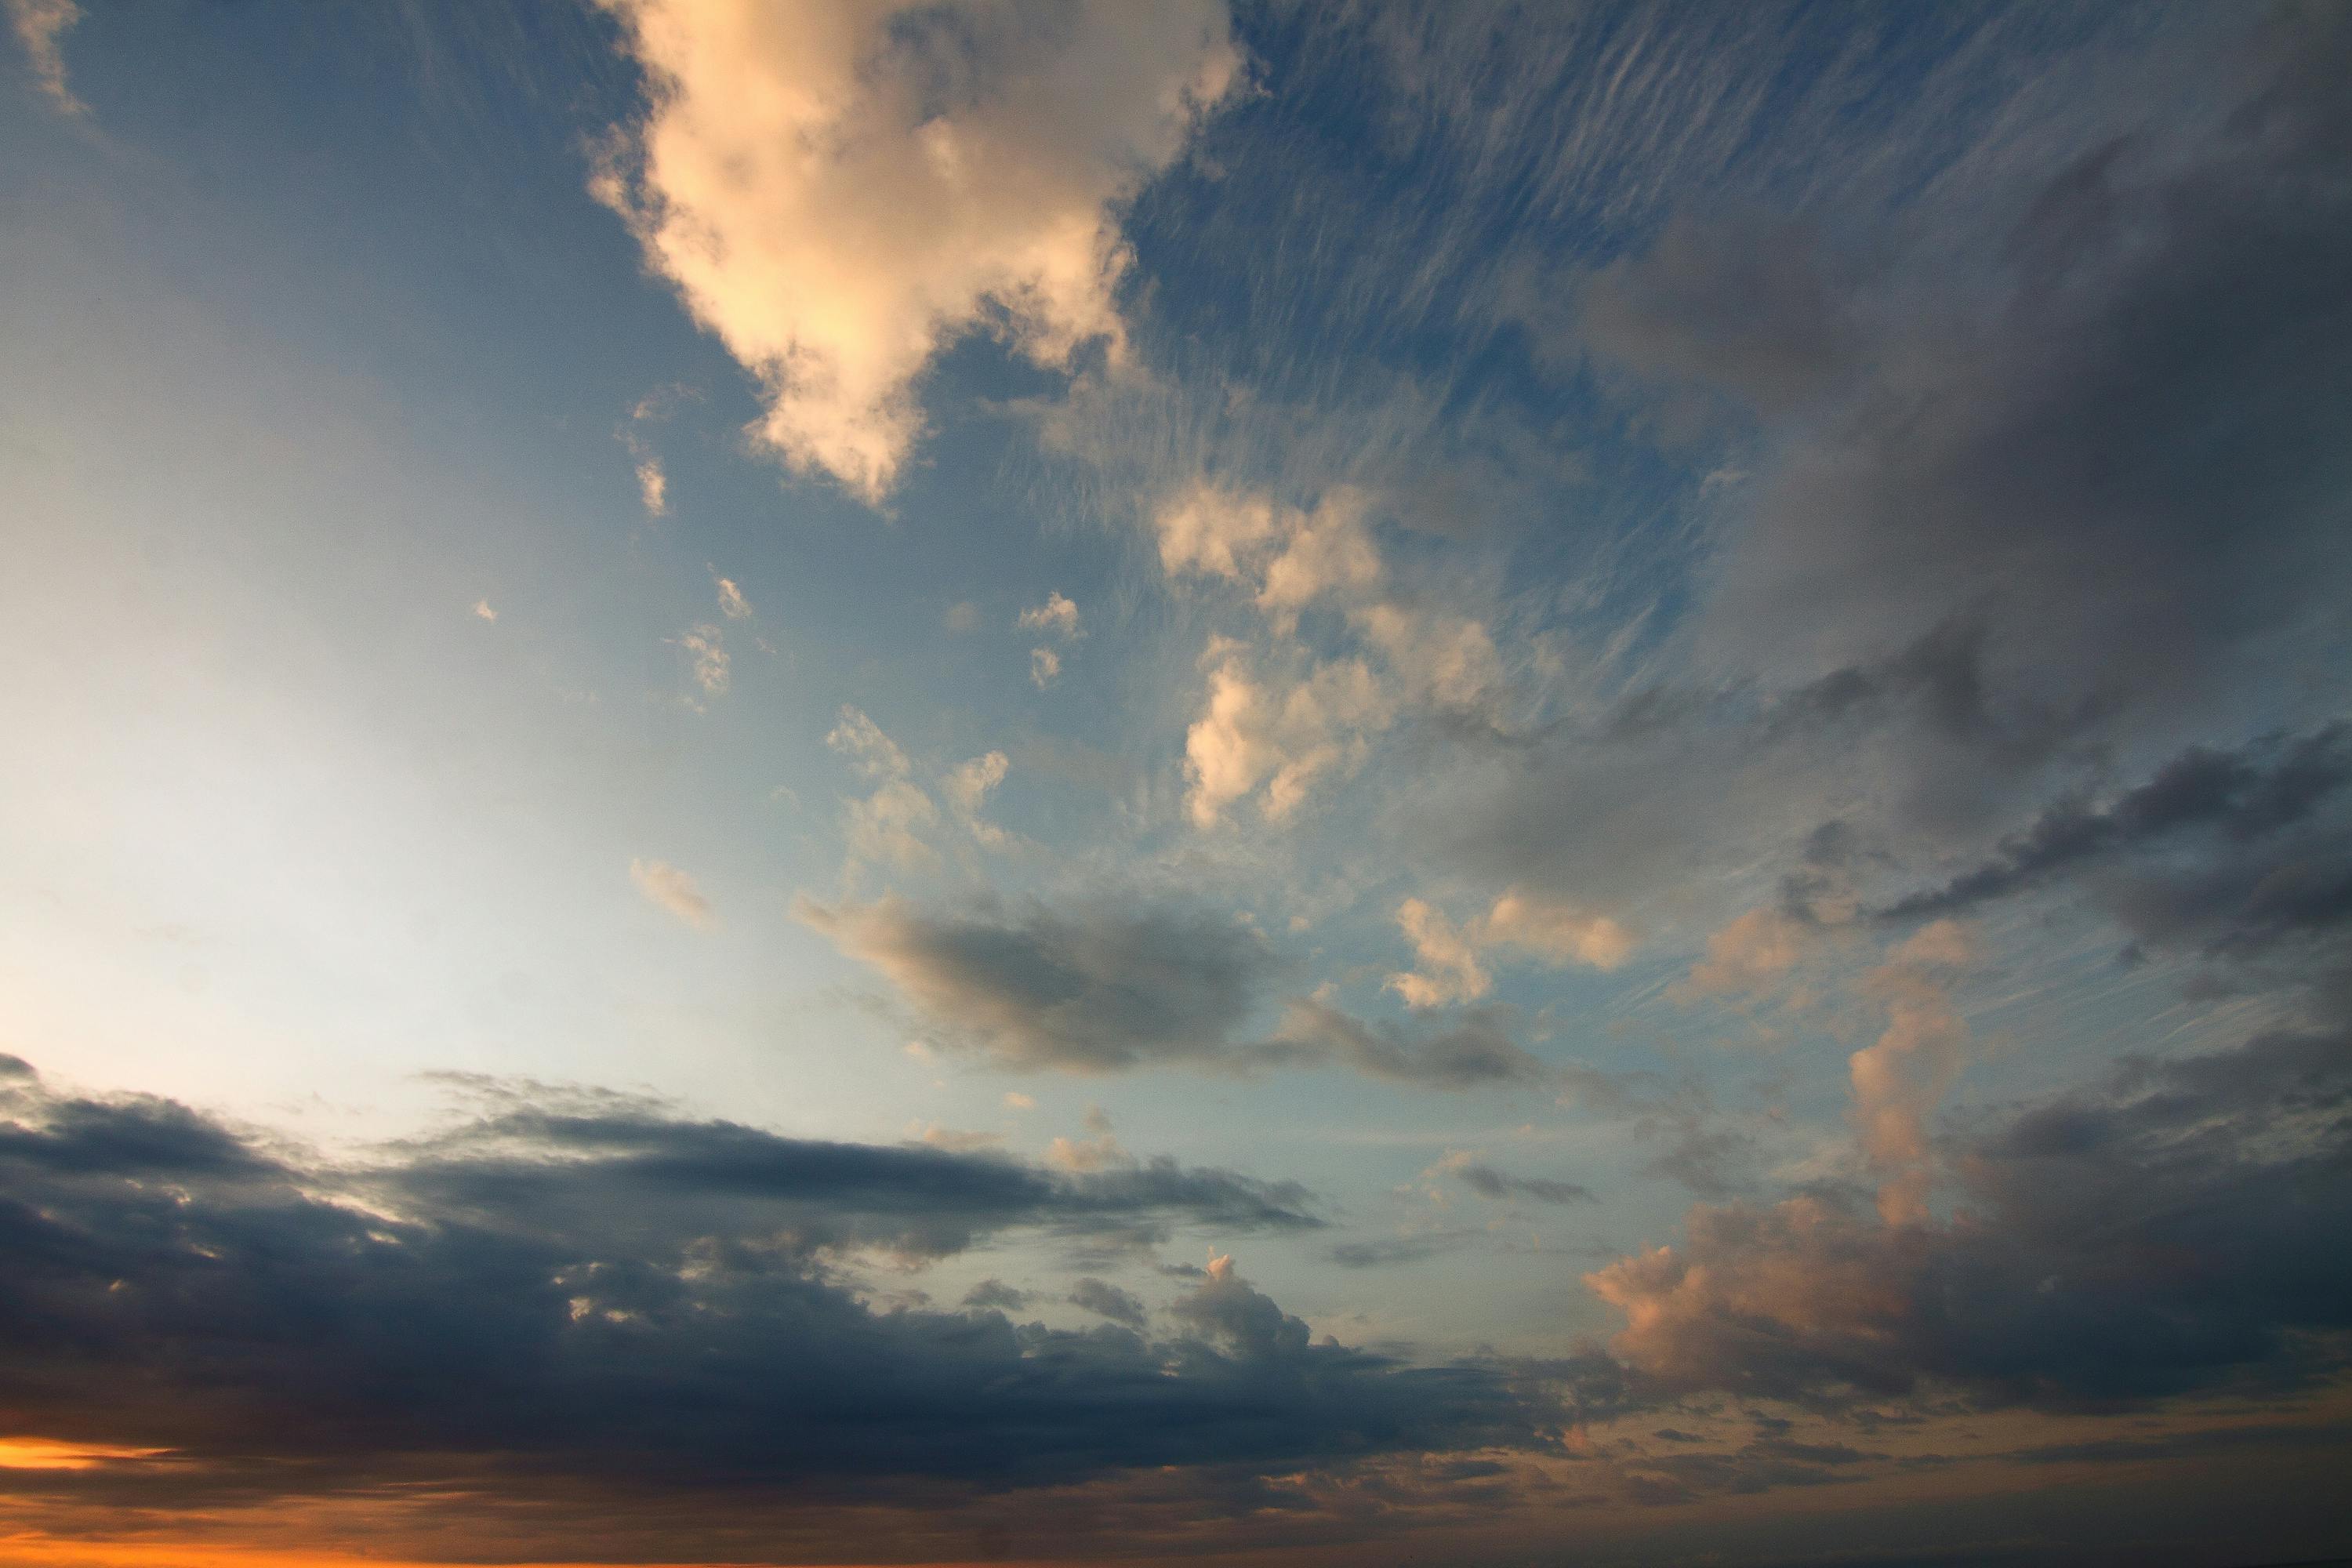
[(1041, 781)]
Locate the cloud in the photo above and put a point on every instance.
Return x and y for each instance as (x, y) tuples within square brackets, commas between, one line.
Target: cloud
[(955, 1140), (548, 1298), (1057, 615), (1556, 932), (1099, 990), (873, 753), (1059, 618), (839, 192), (891, 826), (41, 26), (1106, 1301), (1100, 1152), (1446, 660), (1749, 955), (731, 601), (674, 890), (1325, 552), (2121, 451), (1215, 532), (997, 1296), (967, 790), (1447, 964), (1489, 1183), (712, 667), (1744, 304), (1291, 557), (482, 611), (2235, 799), (1283, 721), (1390, 1253), (1449, 970), (1899, 1080), (2168, 1233), (1248, 1322), (1474, 1050), (1255, 739), (885, 826), (2038, 478), (1106, 988)]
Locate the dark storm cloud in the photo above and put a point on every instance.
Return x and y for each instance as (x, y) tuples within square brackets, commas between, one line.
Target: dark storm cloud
[(2173, 1233), (561, 1299)]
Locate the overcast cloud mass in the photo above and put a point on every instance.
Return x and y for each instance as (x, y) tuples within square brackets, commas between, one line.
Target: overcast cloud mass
[(1261, 783)]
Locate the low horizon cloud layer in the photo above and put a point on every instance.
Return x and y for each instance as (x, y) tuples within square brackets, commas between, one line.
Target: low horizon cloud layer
[(986, 781)]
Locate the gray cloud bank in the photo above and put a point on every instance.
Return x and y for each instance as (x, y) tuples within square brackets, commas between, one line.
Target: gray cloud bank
[(558, 1298)]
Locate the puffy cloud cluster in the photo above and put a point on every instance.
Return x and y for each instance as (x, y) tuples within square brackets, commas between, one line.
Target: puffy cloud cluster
[(890, 828), (2169, 1233), (711, 667), (839, 190), (731, 601), (1448, 966), (1258, 738), (1057, 617), (1314, 718)]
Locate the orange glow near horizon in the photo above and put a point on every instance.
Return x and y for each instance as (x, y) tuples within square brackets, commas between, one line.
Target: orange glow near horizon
[(42, 1551), (51, 1454)]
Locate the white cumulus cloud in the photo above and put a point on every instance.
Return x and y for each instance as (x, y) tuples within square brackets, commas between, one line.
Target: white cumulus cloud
[(838, 190)]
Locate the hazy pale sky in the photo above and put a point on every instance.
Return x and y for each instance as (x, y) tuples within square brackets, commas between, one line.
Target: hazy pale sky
[(1034, 780)]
